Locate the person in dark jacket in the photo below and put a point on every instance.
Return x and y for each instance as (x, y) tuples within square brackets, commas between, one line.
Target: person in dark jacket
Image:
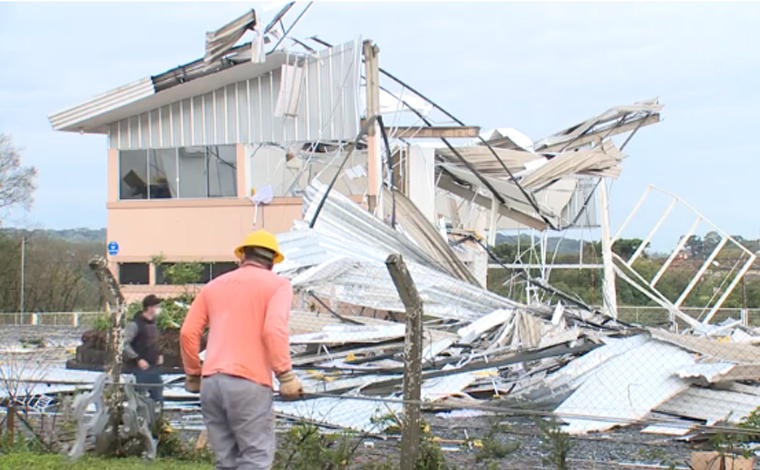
[(141, 348)]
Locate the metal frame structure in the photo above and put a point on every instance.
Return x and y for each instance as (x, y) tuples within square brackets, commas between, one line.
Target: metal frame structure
[(643, 285)]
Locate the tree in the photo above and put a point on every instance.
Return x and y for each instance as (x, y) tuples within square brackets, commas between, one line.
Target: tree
[(694, 246), (626, 247), (17, 183), (710, 242)]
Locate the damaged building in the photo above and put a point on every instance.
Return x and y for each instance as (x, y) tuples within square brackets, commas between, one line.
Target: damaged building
[(348, 165)]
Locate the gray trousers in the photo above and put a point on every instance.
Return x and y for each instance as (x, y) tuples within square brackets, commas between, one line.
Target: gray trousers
[(240, 422)]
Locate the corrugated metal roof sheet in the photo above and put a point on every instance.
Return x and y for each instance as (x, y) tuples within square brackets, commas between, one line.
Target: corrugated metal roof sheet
[(626, 388), (68, 118)]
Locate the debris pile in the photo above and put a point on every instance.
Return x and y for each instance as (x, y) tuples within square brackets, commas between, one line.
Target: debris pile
[(596, 373)]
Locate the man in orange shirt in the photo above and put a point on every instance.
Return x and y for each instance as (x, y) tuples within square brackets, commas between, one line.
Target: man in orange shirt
[(246, 312)]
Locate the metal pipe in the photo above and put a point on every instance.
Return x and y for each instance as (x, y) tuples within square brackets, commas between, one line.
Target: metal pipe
[(675, 252), (729, 289), (654, 230), (701, 271), (631, 214), (362, 133)]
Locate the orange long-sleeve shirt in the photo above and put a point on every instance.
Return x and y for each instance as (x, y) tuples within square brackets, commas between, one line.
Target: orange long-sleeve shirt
[(247, 313)]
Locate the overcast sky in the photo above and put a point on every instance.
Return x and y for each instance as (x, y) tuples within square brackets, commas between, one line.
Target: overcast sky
[(537, 67)]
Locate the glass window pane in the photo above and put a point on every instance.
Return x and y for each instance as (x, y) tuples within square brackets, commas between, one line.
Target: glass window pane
[(206, 273), (217, 269), (163, 173), (222, 171), (134, 273), (133, 174), (192, 172), (161, 277)]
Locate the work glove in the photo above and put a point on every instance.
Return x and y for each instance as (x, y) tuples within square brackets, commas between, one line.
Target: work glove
[(193, 383), (290, 386)]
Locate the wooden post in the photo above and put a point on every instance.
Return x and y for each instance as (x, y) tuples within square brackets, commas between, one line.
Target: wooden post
[(410, 438), (374, 158)]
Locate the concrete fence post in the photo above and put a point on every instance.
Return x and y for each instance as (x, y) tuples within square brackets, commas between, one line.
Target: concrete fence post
[(75, 320), (35, 319), (410, 437)]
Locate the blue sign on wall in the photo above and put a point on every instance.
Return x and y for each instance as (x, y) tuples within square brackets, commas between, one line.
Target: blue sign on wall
[(113, 248)]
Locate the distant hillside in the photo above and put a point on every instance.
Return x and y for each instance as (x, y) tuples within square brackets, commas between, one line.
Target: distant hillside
[(75, 235)]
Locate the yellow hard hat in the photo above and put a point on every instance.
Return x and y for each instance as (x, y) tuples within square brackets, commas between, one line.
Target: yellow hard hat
[(261, 239)]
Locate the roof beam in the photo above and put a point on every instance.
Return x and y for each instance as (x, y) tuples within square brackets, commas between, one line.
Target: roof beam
[(447, 183), (596, 136), (438, 132)]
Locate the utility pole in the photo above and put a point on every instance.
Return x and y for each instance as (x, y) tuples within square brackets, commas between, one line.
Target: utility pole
[(374, 157), (22, 301)]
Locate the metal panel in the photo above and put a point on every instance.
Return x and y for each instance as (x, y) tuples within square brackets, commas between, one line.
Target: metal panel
[(175, 123), (640, 375), (144, 129), (133, 129), (186, 129), (197, 118), (266, 108), (230, 103), (243, 115), (102, 103), (208, 119), (243, 112)]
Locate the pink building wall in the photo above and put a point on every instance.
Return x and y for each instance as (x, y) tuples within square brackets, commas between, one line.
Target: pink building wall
[(206, 230)]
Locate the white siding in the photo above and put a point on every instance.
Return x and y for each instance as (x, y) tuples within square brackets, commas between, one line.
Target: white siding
[(243, 112)]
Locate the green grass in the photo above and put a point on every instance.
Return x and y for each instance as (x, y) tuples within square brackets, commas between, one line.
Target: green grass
[(59, 462)]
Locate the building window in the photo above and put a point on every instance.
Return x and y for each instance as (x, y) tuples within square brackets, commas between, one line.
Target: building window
[(186, 172), (163, 174), (161, 277), (134, 273), (133, 174), (222, 171), (217, 269), (210, 272), (192, 172)]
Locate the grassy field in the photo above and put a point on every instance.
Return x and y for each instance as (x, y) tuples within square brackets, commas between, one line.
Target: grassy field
[(59, 462)]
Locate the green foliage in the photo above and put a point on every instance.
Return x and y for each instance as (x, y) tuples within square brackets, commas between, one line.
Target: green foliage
[(179, 274), (555, 443), (171, 445), (27, 461), (492, 448), (19, 444), (173, 312), (102, 322), (430, 456), (303, 446)]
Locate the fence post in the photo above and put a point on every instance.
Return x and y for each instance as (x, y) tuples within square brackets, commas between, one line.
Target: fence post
[(75, 320), (35, 319), (410, 437)]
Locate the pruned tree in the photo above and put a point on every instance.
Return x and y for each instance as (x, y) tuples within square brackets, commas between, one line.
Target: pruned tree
[(17, 182)]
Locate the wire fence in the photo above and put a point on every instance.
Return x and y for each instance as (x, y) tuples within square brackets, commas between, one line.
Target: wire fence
[(72, 319)]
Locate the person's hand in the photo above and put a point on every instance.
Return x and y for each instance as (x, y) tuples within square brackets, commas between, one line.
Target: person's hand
[(290, 385), (193, 383), (143, 364), (160, 361)]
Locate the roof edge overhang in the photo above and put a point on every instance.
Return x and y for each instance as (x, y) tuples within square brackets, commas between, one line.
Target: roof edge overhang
[(94, 115)]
